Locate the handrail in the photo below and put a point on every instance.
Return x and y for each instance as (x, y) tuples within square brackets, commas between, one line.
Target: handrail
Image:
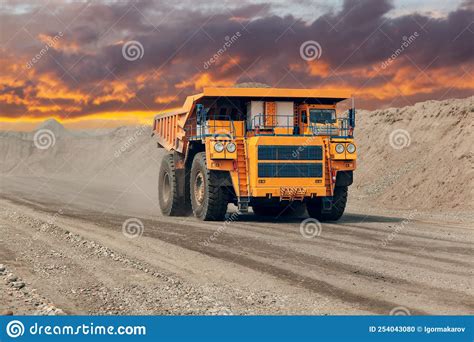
[(210, 127), (213, 127), (258, 123), (341, 128)]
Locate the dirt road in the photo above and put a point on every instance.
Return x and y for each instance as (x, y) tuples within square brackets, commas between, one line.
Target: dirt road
[(73, 251)]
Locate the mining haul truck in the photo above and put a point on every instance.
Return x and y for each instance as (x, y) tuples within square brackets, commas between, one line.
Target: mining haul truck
[(267, 148)]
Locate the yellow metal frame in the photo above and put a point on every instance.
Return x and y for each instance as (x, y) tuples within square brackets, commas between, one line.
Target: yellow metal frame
[(276, 93), (265, 187), (279, 187), (345, 155)]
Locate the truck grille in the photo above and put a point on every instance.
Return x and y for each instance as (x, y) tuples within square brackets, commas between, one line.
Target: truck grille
[(292, 152), (287, 170)]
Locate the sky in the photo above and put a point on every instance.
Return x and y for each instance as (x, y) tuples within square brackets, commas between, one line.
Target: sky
[(94, 64)]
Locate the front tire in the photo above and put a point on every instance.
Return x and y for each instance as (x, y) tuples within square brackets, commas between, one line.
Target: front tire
[(170, 201), (208, 198), (337, 206)]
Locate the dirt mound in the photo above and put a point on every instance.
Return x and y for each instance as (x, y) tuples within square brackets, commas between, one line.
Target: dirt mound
[(417, 156), (54, 126), (115, 156), (413, 157)]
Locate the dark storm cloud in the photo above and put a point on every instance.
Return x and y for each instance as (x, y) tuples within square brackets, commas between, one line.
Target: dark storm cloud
[(177, 44)]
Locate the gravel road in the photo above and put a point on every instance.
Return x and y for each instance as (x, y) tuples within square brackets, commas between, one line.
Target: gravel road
[(88, 257)]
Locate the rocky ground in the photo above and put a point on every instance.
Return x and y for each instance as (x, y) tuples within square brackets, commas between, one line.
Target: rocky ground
[(83, 263), (18, 298)]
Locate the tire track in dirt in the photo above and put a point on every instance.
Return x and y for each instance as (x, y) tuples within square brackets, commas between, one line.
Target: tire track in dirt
[(401, 248), (180, 236), (188, 234)]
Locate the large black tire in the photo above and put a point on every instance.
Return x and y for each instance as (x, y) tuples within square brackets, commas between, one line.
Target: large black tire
[(209, 199), (171, 202), (334, 213)]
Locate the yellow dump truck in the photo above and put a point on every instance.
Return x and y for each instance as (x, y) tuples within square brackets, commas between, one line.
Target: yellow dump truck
[(270, 149)]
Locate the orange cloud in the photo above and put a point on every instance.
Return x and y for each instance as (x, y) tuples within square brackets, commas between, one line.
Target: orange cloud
[(115, 91), (316, 68), (52, 88)]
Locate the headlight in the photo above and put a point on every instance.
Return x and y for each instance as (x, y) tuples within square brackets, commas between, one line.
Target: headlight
[(351, 148), (340, 148), (219, 147), (231, 147)]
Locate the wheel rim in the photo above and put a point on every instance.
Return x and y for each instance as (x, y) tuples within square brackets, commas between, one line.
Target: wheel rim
[(199, 188), (166, 188)]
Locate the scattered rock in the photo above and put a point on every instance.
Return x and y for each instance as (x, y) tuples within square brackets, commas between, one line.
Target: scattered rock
[(6, 313), (18, 284), (11, 278)]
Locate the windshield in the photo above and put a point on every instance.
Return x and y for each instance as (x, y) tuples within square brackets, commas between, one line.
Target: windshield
[(322, 116)]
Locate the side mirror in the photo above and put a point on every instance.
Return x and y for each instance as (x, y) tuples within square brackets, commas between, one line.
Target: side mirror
[(352, 117), (201, 114), (199, 108)]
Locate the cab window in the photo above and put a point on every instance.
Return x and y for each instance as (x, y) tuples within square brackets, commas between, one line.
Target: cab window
[(322, 116)]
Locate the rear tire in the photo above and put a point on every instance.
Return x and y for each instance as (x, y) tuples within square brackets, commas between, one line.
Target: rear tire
[(334, 213), (170, 201), (209, 199)]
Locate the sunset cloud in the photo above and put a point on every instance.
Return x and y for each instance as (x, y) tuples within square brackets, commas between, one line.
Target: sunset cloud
[(65, 59)]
